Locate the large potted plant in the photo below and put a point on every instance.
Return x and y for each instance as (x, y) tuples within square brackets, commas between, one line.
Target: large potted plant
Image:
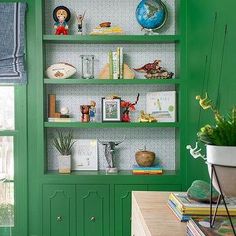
[(63, 143), (220, 140)]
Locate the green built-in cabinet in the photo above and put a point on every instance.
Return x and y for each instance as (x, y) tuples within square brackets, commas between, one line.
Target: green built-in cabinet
[(93, 203)]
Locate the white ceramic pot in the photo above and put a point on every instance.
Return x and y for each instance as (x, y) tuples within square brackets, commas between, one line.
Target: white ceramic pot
[(64, 163), (224, 157)]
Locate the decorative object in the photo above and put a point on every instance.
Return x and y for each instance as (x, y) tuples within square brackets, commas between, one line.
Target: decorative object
[(92, 111), (111, 109), (127, 106), (64, 112), (85, 155), (144, 117), (105, 28), (145, 158), (151, 15), (200, 191), (61, 16), (161, 105), (220, 140), (52, 113), (63, 143), (109, 154), (87, 66), (105, 72), (60, 70), (80, 19), (155, 71), (85, 113)]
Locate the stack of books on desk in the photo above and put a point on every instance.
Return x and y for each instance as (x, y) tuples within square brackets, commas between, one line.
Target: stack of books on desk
[(152, 170), (200, 226), (184, 208)]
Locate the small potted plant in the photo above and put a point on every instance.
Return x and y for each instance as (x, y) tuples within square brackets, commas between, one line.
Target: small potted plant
[(220, 140), (63, 143)]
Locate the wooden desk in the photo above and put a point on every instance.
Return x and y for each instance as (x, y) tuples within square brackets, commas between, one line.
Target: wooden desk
[(151, 216)]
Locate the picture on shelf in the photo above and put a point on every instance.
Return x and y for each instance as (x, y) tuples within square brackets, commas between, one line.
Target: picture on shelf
[(111, 109), (85, 155), (162, 105)]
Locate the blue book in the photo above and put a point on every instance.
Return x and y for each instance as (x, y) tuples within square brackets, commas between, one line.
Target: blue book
[(181, 217), (155, 167)]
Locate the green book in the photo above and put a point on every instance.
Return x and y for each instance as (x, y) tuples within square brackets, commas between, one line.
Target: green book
[(110, 65)]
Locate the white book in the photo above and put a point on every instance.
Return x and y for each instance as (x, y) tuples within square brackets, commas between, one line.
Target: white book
[(162, 105), (115, 65), (60, 119)]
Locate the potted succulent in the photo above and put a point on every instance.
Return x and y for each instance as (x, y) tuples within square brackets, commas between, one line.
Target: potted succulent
[(63, 143), (220, 140)]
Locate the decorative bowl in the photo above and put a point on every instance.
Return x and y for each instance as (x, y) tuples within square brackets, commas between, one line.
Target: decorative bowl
[(145, 158)]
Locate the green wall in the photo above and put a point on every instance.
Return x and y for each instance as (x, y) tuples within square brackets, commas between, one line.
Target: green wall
[(211, 47)]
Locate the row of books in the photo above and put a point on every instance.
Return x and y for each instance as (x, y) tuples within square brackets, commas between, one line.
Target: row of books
[(184, 208), (200, 226), (152, 170), (116, 64)]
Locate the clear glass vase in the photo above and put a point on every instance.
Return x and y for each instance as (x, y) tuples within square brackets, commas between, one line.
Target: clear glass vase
[(87, 66)]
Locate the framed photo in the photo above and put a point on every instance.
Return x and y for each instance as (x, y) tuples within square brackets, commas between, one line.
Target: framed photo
[(111, 110), (85, 154)]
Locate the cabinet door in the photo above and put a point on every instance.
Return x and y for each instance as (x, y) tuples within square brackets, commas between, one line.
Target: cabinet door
[(162, 187), (123, 208), (59, 217), (93, 210)]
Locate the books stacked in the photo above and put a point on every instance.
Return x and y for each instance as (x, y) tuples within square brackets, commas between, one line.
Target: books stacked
[(116, 64), (152, 170), (200, 226), (50, 119), (184, 208)]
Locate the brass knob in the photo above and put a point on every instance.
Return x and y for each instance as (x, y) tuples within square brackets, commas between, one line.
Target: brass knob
[(93, 219), (59, 218)]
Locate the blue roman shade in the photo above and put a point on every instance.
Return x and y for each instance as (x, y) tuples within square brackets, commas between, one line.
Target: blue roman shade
[(12, 43)]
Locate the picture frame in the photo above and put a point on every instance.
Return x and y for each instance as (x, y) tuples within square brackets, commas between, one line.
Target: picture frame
[(111, 110), (85, 154)]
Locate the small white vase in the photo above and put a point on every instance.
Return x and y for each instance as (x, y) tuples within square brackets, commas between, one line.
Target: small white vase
[(224, 158), (64, 163)]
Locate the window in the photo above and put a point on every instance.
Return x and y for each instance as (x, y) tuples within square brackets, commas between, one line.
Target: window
[(12, 136)]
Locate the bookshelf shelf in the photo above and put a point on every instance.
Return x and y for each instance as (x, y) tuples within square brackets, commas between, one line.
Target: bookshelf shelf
[(110, 125), (111, 39), (111, 81)]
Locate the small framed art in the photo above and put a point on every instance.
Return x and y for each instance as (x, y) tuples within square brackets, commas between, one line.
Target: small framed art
[(111, 111), (85, 155)]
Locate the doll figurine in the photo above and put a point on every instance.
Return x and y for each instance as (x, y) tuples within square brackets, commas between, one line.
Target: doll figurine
[(92, 111), (61, 15), (80, 19)]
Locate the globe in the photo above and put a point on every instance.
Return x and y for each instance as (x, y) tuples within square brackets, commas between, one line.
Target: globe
[(151, 14)]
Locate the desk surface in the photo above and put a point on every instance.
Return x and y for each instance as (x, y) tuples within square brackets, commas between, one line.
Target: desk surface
[(157, 218)]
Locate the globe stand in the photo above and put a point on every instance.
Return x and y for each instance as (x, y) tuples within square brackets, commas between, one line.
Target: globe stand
[(150, 32)]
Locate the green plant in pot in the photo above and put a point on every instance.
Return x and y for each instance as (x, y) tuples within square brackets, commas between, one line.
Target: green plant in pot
[(220, 140), (63, 143)]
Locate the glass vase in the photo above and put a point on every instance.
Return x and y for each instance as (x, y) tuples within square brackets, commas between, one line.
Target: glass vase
[(87, 66)]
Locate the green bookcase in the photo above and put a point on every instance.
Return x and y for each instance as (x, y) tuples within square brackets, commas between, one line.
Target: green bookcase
[(78, 191)]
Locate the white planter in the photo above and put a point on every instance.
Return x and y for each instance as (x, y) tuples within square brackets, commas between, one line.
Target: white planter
[(64, 163), (225, 156)]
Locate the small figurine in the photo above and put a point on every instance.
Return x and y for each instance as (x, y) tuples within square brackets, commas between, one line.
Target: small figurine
[(80, 19), (195, 152), (144, 117), (85, 113), (128, 106), (61, 15), (155, 71), (92, 111), (109, 154)]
